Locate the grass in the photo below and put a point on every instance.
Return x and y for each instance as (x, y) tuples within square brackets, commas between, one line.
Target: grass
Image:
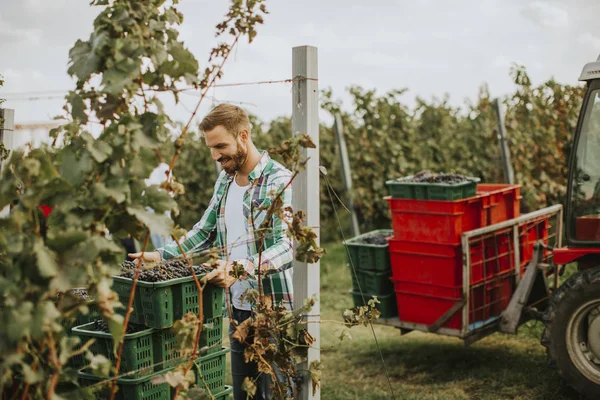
[(421, 365)]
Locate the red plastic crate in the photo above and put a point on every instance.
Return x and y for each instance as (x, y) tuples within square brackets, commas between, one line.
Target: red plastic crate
[(503, 201), (499, 256), (445, 221), (442, 264), (436, 221), (529, 234), (425, 304), (498, 291)]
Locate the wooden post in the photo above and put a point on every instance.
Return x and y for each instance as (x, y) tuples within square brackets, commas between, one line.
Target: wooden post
[(509, 175), (305, 120), (338, 127)]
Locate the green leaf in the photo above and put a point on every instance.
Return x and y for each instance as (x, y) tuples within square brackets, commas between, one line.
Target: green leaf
[(99, 149), (158, 53), (20, 318), (115, 326), (68, 344), (121, 75), (78, 107), (84, 56), (45, 260), (44, 319), (30, 375), (157, 223), (101, 193), (99, 364), (60, 240), (176, 378), (140, 141), (158, 199), (75, 168), (183, 64)]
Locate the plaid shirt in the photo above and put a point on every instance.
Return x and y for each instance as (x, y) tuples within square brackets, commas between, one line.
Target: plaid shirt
[(266, 180)]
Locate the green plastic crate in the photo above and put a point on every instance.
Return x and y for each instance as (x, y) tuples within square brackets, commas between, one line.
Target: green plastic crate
[(159, 304), (225, 394), (387, 306), (213, 367), (138, 353), (369, 257), (165, 342), (378, 283), (432, 191), (130, 389), (92, 315), (355, 281)]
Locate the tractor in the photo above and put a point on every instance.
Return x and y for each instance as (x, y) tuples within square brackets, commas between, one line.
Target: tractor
[(508, 270), (572, 317)]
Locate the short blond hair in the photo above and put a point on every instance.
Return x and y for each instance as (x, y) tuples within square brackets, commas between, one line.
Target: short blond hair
[(233, 118)]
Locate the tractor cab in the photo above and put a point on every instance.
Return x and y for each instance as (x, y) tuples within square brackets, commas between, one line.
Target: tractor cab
[(572, 319), (583, 205), (583, 192)]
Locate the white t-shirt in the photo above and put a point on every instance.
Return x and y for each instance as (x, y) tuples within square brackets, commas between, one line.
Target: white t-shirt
[(237, 237)]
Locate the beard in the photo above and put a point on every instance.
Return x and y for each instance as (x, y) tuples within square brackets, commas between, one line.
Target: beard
[(236, 162)]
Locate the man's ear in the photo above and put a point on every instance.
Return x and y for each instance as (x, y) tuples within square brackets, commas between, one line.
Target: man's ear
[(244, 135)]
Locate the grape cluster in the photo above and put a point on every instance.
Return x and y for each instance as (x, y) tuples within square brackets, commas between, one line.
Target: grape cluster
[(164, 271), (81, 294), (378, 239), (101, 326), (426, 176)]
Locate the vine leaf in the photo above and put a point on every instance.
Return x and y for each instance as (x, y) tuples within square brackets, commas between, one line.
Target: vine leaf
[(315, 369), (45, 260), (157, 223), (115, 326), (249, 387)]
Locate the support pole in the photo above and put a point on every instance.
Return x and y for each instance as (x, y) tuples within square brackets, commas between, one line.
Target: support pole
[(509, 175), (339, 133), (305, 120), (7, 130)]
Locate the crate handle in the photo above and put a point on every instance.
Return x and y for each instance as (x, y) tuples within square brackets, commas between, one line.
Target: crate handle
[(447, 315)]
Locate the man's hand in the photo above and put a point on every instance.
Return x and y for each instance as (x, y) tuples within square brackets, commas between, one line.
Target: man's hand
[(148, 256), (220, 276)]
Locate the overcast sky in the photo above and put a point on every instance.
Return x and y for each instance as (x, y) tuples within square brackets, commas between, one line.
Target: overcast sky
[(431, 47)]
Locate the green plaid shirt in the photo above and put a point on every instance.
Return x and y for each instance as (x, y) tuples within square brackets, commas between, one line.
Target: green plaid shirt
[(266, 180)]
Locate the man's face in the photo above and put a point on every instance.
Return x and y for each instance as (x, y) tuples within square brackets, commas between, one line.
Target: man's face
[(230, 152)]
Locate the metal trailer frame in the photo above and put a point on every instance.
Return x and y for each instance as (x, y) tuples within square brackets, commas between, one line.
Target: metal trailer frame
[(472, 334)]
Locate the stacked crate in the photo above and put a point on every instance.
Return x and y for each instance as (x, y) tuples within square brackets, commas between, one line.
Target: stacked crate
[(426, 253), (154, 351), (370, 269)]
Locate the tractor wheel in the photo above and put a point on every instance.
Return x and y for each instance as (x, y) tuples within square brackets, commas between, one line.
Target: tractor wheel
[(572, 332)]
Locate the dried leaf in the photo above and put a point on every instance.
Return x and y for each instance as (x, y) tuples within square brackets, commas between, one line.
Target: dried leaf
[(242, 331), (315, 370), (249, 387)]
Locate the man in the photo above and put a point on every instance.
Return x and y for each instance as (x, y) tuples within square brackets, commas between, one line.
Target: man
[(248, 183)]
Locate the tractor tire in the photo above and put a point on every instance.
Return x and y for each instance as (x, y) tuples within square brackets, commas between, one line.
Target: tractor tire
[(572, 332)]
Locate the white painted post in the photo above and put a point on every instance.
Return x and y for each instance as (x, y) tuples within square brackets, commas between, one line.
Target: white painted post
[(338, 126), (7, 130), (305, 120)]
